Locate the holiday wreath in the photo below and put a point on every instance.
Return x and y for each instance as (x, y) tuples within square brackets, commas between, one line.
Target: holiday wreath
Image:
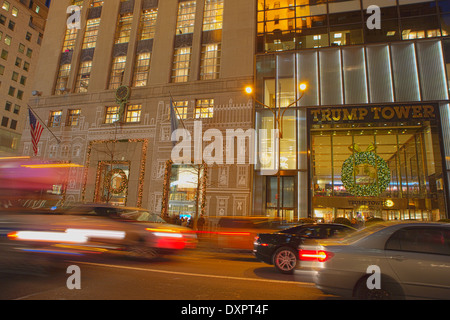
[(368, 157), (123, 181)]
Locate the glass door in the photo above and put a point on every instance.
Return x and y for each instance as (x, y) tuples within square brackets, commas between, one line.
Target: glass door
[(286, 194)]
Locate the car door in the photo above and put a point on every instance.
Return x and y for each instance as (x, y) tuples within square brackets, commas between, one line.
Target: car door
[(420, 257)]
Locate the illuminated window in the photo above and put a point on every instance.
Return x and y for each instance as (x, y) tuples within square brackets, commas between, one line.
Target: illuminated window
[(133, 113), (112, 114), (84, 76), (204, 108), (147, 24), (181, 109), (181, 64), (117, 72), (69, 40), (5, 5), (97, 3), (55, 119), (186, 17), (62, 79), (141, 69), (73, 117), (124, 28), (15, 12), (213, 15), (210, 62), (90, 36)]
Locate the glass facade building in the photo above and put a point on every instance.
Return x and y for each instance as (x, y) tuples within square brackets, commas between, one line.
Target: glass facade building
[(370, 137)]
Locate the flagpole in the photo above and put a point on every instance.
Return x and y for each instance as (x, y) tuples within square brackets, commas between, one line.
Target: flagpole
[(39, 118), (179, 117)]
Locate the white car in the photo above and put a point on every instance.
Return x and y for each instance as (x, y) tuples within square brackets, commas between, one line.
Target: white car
[(412, 259)]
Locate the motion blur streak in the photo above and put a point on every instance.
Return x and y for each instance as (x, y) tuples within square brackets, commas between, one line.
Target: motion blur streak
[(92, 233), (47, 236), (169, 235)]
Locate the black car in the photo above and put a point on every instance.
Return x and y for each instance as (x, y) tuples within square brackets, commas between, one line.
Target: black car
[(280, 248)]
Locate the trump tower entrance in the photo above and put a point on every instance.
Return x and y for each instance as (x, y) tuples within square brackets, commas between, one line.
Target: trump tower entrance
[(376, 161)]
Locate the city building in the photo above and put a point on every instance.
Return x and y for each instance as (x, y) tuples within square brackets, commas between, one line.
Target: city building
[(367, 135), (370, 137), (106, 91), (22, 25)]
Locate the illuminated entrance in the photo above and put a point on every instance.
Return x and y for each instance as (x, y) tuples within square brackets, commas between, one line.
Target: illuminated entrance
[(382, 162)]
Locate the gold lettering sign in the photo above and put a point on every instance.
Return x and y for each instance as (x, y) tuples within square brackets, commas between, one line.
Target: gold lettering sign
[(373, 113)]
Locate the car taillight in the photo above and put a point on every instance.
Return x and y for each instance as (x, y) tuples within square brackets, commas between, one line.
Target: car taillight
[(315, 255)]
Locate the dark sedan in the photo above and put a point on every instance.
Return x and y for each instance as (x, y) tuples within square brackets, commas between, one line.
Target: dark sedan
[(281, 248)]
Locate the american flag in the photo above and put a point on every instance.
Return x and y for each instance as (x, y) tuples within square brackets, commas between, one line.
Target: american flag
[(36, 131)]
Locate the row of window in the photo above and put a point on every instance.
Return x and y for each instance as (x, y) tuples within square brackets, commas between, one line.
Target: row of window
[(210, 56), (204, 108), (293, 25)]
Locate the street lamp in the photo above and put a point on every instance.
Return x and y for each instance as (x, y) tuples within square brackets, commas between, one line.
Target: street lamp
[(279, 125)]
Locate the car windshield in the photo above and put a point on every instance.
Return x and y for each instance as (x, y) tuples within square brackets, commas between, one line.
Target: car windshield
[(362, 233), (139, 215)]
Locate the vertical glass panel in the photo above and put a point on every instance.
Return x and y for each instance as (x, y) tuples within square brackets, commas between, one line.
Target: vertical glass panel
[(302, 140), (308, 73), (266, 141), (379, 71), (445, 124), (432, 71), (321, 164), (355, 83), (404, 66), (330, 77), (288, 150), (302, 203)]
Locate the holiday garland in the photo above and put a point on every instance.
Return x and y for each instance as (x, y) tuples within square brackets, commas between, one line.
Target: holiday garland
[(368, 157)]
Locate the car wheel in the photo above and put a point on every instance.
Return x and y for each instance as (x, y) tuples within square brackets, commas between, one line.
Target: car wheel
[(389, 291), (285, 260)]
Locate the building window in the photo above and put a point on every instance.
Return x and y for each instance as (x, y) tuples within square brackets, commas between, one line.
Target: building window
[(147, 24), (62, 79), (112, 114), (28, 36), (204, 108), (13, 124), (186, 17), (21, 48), (4, 55), (181, 64), (8, 40), (5, 5), (117, 72), (181, 109), (19, 94), (97, 3), (55, 119), (213, 15), (8, 106), (26, 66), (84, 76), (23, 80), (16, 109), (15, 76), (73, 117), (90, 36), (133, 113), (69, 40), (124, 28), (29, 52), (210, 62), (5, 121), (141, 69), (15, 12), (11, 91)]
